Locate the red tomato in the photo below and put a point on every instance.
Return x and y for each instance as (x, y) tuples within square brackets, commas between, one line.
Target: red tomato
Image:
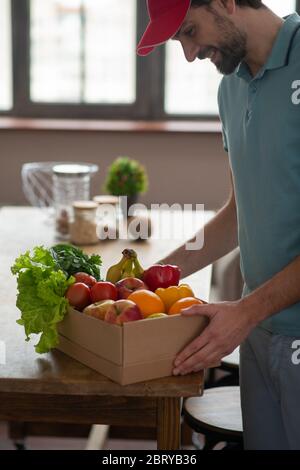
[(104, 291), (79, 295), (85, 278)]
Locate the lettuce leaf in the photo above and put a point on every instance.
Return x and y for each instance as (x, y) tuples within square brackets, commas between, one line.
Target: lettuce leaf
[(41, 289)]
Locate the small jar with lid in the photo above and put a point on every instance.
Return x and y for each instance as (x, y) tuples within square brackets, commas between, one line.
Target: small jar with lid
[(83, 229), (71, 182)]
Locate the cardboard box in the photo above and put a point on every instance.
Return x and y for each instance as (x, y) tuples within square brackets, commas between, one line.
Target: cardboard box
[(135, 352)]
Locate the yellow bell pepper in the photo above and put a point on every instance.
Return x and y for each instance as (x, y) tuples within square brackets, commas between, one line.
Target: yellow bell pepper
[(171, 294)]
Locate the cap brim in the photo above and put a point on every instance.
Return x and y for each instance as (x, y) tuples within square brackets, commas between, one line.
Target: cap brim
[(162, 29)]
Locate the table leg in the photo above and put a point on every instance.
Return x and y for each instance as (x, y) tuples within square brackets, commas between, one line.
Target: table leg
[(17, 433), (168, 423)]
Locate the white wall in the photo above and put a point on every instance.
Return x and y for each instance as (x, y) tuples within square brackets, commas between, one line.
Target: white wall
[(184, 168)]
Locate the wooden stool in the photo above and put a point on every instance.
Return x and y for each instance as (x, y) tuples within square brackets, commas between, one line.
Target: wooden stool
[(217, 415)]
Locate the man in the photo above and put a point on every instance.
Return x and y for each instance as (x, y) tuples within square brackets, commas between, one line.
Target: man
[(259, 102)]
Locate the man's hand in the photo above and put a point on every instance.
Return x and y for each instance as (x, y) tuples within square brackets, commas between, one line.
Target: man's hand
[(229, 325)]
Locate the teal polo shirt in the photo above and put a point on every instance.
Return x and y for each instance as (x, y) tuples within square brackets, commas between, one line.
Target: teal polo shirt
[(261, 132)]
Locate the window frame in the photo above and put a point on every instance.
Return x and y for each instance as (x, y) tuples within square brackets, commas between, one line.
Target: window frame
[(147, 78), (150, 81)]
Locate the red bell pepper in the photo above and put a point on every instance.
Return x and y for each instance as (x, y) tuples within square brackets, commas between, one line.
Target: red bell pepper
[(163, 276)]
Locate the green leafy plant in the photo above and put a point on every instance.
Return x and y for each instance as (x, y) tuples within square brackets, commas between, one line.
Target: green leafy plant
[(72, 260), (126, 177)]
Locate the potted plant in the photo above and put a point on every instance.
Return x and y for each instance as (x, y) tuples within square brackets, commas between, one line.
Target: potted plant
[(126, 177)]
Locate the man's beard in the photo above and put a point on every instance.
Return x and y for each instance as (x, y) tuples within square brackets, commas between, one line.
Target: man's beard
[(232, 48)]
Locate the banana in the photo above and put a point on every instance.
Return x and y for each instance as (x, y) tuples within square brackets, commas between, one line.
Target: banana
[(128, 269), (138, 270), (129, 266), (114, 273)]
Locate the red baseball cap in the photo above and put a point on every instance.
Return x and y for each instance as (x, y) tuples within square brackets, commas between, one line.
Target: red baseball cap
[(166, 17)]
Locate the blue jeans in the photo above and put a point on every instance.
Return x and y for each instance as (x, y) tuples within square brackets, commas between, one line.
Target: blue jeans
[(270, 391)]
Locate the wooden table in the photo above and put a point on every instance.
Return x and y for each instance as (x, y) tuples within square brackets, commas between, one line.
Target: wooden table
[(54, 388)]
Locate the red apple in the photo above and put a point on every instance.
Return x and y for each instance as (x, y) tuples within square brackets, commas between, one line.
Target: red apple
[(128, 285), (85, 278), (103, 291), (79, 295), (99, 309), (123, 311)]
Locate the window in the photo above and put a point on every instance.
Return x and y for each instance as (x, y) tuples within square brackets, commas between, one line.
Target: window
[(82, 51), (5, 56), (189, 88), (281, 8), (77, 59), (192, 88)]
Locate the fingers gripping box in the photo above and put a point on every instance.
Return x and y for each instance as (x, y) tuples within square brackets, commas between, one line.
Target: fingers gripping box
[(135, 352)]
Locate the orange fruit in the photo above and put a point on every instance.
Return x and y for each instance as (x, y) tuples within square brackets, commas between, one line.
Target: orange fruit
[(183, 303), (147, 301)]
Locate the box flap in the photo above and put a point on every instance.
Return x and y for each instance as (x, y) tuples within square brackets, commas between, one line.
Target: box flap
[(95, 335), (159, 338)]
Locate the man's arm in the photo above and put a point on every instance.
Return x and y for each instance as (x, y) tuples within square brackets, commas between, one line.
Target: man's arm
[(220, 237), (231, 322)]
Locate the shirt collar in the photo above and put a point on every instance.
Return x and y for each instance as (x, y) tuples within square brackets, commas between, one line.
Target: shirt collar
[(280, 51)]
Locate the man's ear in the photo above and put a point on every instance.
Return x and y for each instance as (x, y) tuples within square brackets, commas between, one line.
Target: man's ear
[(228, 5)]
